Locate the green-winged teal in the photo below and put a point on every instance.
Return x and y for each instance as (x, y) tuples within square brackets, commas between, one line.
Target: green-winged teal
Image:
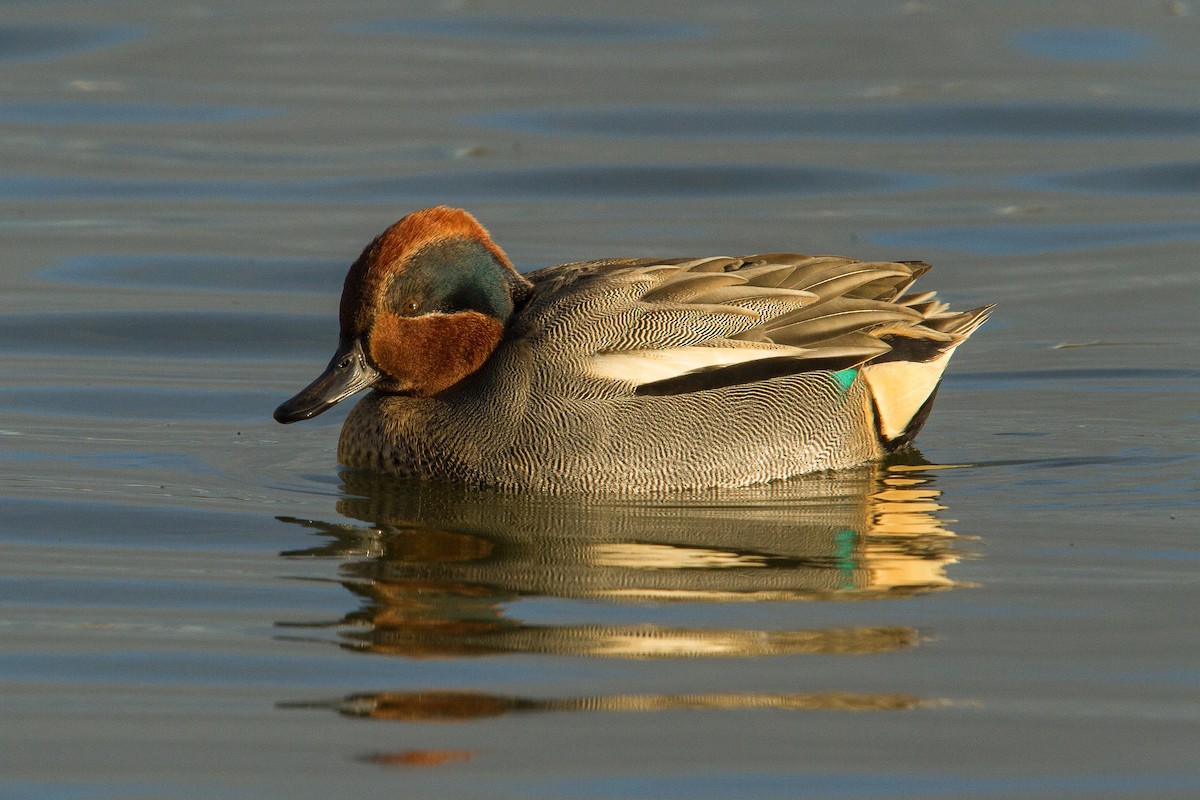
[(625, 374)]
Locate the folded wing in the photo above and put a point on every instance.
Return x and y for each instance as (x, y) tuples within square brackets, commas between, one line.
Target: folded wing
[(667, 327)]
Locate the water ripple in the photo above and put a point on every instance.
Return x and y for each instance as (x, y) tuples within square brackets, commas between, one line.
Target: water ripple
[(542, 29), (1008, 239), (647, 180), (61, 112), (890, 122), (43, 42), (207, 273), (138, 402), (773, 786), (1086, 43), (533, 183), (1169, 179), (166, 334), (1122, 379), (42, 187)]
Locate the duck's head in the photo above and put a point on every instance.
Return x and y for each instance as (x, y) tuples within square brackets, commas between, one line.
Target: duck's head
[(423, 307)]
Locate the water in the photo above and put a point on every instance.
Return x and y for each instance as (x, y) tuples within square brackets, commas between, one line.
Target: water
[(197, 602)]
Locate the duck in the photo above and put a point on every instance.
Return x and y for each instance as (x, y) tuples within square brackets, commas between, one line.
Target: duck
[(626, 375)]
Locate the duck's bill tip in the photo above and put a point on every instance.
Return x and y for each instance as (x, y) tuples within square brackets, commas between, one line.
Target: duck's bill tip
[(293, 411)]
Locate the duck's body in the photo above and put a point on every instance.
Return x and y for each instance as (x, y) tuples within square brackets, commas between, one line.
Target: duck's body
[(625, 375)]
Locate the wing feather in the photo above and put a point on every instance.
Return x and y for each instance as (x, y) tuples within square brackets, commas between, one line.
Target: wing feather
[(659, 326)]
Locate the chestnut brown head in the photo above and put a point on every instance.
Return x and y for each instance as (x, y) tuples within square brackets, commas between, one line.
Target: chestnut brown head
[(422, 308)]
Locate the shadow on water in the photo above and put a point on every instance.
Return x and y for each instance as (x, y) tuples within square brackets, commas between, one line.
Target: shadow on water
[(436, 571)]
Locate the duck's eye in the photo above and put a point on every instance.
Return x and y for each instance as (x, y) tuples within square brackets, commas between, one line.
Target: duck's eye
[(412, 307)]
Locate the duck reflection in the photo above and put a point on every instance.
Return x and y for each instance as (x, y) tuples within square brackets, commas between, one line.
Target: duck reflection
[(436, 567), (466, 706)]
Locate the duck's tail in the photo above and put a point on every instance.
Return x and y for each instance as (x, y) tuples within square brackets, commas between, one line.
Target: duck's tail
[(905, 380)]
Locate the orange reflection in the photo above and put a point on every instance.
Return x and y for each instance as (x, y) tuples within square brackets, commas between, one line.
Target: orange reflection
[(419, 758)]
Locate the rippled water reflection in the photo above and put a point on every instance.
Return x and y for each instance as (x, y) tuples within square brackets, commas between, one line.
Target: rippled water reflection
[(440, 573), (436, 566)]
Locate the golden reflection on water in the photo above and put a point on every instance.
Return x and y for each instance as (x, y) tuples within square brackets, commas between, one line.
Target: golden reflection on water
[(438, 565), (437, 571)]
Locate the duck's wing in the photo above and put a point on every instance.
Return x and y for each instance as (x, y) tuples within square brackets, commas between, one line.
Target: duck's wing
[(683, 325)]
